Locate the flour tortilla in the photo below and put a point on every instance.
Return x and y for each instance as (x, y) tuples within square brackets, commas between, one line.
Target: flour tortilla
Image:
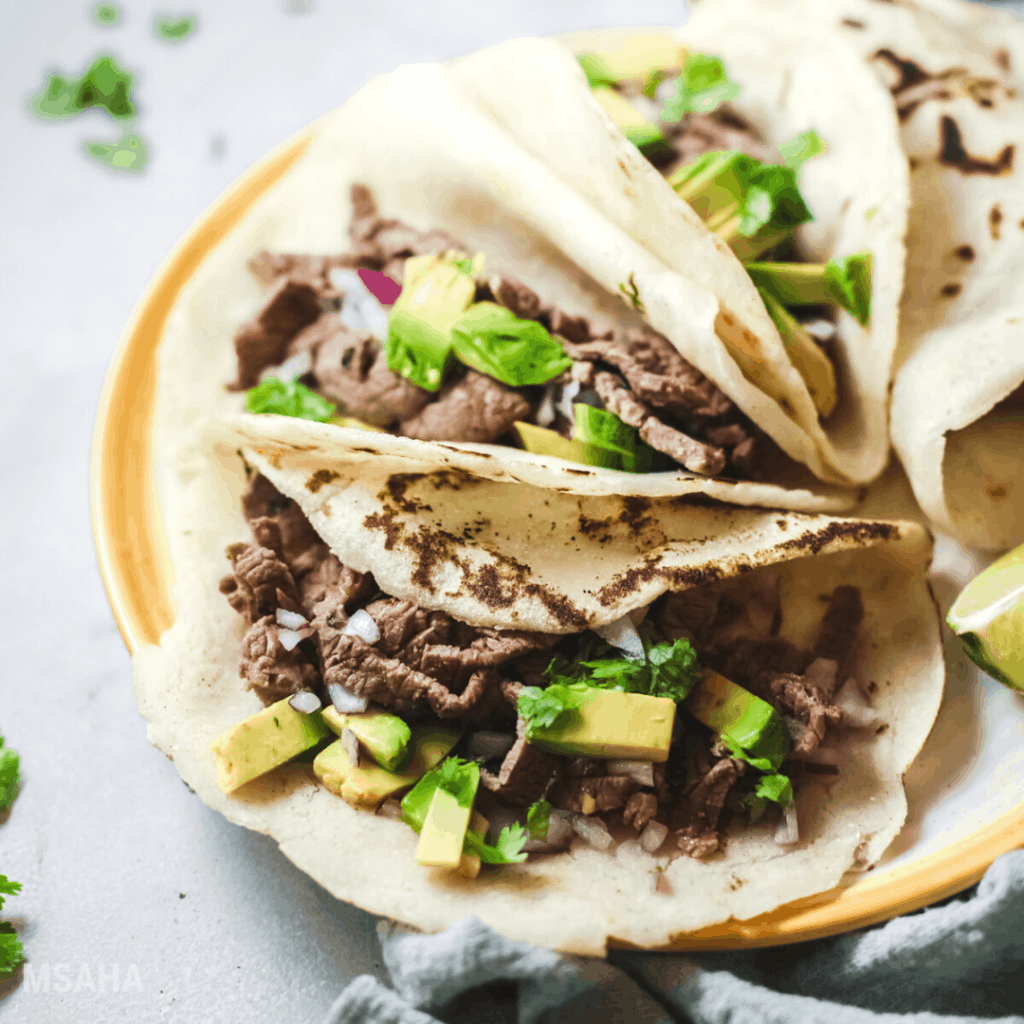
[(959, 386), (189, 689), (508, 151)]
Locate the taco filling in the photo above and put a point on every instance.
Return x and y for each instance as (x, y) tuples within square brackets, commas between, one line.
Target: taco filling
[(410, 333), (675, 107), (669, 728)]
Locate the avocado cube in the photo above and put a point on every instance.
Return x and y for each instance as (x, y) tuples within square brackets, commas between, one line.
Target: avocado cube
[(610, 723), (737, 715), (641, 132), (444, 831), (385, 736), (640, 55), (369, 787), (263, 741)]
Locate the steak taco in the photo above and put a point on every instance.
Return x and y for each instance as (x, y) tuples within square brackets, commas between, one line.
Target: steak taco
[(584, 718), (954, 75), (516, 275)]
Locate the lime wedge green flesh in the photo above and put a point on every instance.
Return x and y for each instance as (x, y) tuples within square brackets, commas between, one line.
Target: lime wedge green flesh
[(737, 714), (988, 616)]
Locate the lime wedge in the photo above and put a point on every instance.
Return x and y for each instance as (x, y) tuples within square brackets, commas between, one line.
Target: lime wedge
[(988, 616)]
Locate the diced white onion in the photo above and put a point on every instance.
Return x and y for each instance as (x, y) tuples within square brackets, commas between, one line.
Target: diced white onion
[(632, 852), (347, 281), (305, 701), (490, 744), (622, 634), (374, 316), (653, 836), (294, 366), (289, 638), (360, 310), (362, 625), (352, 317), (564, 404), (820, 755), (788, 831), (350, 744), (290, 620), (593, 830), (390, 809), (345, 701), (642, 771), (820, 330), (546, 410), (560, 832)]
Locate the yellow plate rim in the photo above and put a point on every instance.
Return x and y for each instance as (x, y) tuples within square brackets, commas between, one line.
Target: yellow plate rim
[(136, 570)]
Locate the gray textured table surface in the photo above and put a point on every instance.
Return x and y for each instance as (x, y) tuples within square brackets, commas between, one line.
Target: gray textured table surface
[(139, 904)]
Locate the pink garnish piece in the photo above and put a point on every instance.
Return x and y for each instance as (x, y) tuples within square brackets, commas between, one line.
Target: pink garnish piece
[(380, 286)]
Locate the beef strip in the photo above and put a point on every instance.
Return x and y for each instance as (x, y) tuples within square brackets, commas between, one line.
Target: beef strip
[(808, 698), (260, 582), (263, 341), (706, 133), (352, 372), (640, 809), (689, 614), (524, 774), (694, 816), (475, 408), (521, 301), (271, 671), (840, 626), (608, 791), (492, 647), (311, 271)]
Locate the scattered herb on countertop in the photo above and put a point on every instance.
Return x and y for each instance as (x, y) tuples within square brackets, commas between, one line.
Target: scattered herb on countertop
[(174, 30)]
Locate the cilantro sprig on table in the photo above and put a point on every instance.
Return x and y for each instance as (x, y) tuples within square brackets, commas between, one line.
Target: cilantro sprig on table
[(11, 950), (10, 775)]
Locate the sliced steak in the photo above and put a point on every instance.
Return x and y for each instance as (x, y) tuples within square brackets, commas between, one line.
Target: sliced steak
[(608, 792), (706, 133), (260, 582), (840, 625), (271, 671), (694, 817), (808, 698), (524, 775), (476, 408), (640, 809)]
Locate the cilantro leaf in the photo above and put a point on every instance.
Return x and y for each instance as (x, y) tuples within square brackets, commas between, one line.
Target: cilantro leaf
[(772, 201), (848, 282), (703, 86), (800, 149), (10, 776), (544, 709), (775, 787), (517, 352), (761, 763), (674, 669), (458, 777), (507, 848), (288, 399), (8, 888), (538, 818), (597, 71), (11, 950)]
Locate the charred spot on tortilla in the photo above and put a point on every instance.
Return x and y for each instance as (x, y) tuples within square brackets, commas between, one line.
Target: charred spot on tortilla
[(592, 527), (562, 610), (995, 218), (909, 73), (396, 486), (579, 472), (432, 548), (967, 253), (951, 290), (852, 23), (319, 478), (368, 451), (1002, 59), (386, 522), (815, 541), (452, 480), (634, 514), (953, 154)]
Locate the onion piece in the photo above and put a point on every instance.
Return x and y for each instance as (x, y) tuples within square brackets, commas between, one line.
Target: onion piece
[(820, 330), (345, 701), (653, 837), (490, 745), (594, 831), (294, 366), (788, 831), (290, 639), (622, 634), (305, 701), (362, 625), (642, 771), (350, 744), (564, 404), (560, 833), (545, 415), (632, 851), (290, 620)]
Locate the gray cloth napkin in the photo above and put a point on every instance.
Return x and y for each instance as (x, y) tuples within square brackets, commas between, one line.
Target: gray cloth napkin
[(959, 962)]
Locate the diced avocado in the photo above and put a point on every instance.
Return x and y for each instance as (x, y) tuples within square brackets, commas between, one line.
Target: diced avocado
[(846, 282), (444, 831), (542, 441), (263, 741), (436, 291), (611, 723), (641, 132), (811, 363), (738, 716), (637, 56), (385, 736), (368, 787)]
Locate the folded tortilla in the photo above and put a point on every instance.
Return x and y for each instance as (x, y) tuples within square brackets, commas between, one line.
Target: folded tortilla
[(508, 151), (956, 74), (510, 555)]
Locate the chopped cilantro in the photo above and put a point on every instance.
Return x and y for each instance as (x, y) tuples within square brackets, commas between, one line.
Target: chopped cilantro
[(669, 670), (175, 29), (774, 787), (11, 949), (105, 84), (507, 849), (10, 775), (544, 709), (703, 86), (538, 818), (288, 399), (517, 352), (799, 150), (8, 888), (107, 14), (597, 71), (633, 294), (848, 281), (128, 153)]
